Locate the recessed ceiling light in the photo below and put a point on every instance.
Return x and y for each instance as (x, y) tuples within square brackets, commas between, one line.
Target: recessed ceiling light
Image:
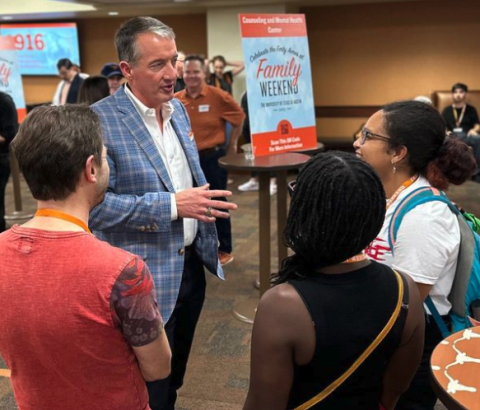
[(113, 13)]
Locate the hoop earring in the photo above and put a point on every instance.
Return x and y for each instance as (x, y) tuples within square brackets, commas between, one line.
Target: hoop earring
[(394, 167)]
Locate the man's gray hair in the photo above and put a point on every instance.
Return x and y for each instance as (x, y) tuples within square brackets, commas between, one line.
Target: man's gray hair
[(126, 37)]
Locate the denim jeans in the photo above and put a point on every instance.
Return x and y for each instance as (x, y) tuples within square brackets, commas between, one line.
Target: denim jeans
[(420, 394)]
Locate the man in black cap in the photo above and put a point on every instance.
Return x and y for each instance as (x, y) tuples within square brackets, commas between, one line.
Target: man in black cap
[(462, 119), (114, 76)]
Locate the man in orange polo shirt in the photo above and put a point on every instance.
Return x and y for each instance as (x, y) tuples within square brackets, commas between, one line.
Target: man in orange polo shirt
[(210, 109)]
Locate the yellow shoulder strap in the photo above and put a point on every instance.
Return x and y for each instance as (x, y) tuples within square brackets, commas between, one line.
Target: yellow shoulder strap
[(331, 388)]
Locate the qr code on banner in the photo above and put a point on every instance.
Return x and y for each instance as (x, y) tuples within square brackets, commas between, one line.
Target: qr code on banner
[(284, 129)]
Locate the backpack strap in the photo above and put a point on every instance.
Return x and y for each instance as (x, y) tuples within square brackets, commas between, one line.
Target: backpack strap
[(457, 296), (438, 319), (417, 197)]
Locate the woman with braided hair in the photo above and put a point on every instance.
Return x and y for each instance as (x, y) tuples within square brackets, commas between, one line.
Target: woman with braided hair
[(407, 145), (329, 302)]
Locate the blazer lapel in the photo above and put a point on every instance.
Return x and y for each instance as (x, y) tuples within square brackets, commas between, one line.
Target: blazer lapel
[(139, 132), (181, 129)]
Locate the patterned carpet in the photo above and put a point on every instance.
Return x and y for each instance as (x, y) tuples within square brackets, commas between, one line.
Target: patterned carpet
[(218, 373)]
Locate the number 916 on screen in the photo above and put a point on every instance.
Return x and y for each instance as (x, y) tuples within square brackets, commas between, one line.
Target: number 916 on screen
[(29, 42)]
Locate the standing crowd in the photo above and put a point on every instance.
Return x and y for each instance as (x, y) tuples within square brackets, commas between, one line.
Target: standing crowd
[(101, 292)]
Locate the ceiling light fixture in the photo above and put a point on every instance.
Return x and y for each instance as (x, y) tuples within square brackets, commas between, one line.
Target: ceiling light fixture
[(12, 8), (113, 13)]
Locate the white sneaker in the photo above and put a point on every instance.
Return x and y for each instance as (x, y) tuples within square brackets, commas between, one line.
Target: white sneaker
[(250, 185), (273, 188)]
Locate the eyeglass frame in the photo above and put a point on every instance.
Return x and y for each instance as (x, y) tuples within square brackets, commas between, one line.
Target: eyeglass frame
[(291, 187), (367, 134)]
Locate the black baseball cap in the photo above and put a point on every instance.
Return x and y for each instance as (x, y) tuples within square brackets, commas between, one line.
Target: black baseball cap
[(111, 69)]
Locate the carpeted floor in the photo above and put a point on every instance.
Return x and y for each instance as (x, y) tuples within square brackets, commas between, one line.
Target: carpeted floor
[(218, 373)]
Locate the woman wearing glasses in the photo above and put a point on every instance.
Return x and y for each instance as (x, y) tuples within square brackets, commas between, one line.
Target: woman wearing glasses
[(330, 302), (407, 145)]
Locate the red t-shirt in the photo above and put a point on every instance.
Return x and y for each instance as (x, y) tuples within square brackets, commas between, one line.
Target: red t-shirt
[(71, 308)]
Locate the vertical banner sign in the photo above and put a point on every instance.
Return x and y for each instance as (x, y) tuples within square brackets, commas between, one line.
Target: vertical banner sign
[(10, 78), (279, 83)]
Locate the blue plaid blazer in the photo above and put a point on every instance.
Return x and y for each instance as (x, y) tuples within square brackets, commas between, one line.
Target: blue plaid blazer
[(135, 214)]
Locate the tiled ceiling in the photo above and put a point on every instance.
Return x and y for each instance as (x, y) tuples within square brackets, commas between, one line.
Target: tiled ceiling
[(26, 10)]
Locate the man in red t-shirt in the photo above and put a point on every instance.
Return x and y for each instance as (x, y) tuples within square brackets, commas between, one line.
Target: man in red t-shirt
[(80, 323)]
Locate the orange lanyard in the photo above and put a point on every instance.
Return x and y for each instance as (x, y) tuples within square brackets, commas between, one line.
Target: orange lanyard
[(458, 120), (52, 213), (404, 186), (357, 258)]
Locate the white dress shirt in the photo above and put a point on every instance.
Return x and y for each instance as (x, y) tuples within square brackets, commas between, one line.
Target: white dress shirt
[(58, 91), (172, 154)]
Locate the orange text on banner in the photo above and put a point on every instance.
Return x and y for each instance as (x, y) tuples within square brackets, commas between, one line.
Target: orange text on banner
[(284, 139)]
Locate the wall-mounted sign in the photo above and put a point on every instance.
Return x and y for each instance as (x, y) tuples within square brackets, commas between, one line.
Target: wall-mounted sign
[(41, 45)]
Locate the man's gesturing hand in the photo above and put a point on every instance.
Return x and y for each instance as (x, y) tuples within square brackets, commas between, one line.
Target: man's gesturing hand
[(197, 203)]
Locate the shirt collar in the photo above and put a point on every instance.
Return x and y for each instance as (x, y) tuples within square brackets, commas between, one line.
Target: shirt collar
[(203, 91), (146, 112)]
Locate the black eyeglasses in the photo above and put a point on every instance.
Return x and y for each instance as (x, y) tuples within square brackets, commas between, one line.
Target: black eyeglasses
[(366, 134)]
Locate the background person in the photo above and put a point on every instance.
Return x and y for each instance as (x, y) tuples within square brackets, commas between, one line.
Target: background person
[(8, 129), (93, 89), (220, 78), (114, 76), (210, 109), (252, 184), (56, 96), (424, 99), (406, 144), (158, 203), (71, 79), (330, 302), (462, 119), (80, 322), (180, 84)]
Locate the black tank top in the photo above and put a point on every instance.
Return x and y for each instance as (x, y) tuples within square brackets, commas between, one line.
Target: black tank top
[(348, 311)]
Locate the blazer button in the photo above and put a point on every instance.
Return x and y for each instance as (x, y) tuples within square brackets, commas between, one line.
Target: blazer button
[(181, 251)]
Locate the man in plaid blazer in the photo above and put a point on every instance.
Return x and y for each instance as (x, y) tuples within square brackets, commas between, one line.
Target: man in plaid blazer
[(158, 204)]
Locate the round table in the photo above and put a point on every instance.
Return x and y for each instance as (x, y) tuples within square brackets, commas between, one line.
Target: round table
[(264, 166), (455, 370), (312, 151)]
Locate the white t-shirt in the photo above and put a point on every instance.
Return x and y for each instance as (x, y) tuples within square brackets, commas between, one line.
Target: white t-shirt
[(427, 245)]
